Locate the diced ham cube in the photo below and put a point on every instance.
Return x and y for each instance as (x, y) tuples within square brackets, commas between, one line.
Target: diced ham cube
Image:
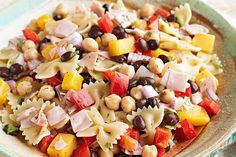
[(65, 28), (26, 113), (82, 99), (80, 121), (175, 80), (56, 115), (60, 144), (97, 8)]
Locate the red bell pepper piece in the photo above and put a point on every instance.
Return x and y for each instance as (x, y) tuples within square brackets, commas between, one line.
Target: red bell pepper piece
[(133, 133), (161, 151), (45, 142), (188, 129), (54, 81), (106, 24), (153, 23), (89, 140), (147, 53), (179, 134), (30, 35), (127, 142), (119, 82), (210, 106), (162, 137), (187, 93), (162, 12), (82, 99), (81, 151)]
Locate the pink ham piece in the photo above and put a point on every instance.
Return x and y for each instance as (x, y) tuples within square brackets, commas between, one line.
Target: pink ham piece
[(89, 60), (97, 8), (177, 103), (148, 91), (61, 50), (104, 54), (27, 123), (65, 28), (26, 113), (80, 121), (40, 119), (60, 144), (75, 39), (208, 84), (175, 80), (193, 29), (56, 115), (33, 64), (133, 57)]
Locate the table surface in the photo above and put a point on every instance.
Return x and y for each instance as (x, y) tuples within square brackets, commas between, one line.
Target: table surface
[(228, 10)]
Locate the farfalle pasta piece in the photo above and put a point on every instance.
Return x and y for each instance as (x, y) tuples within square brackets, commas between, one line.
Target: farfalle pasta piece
[(85, 20), (107, 114), (106, 64), (211, 62), (183, 13), (7, 117), (96, 75), (7, 53), (49, 69), (98, 90), (179, 45), (13, 101), (152, 117), (165, 27), (35, 134), (107, 134)]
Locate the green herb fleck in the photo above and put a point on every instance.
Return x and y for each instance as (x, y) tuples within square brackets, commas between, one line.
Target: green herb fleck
[(108, 145), (76, 53), (19, 45), (179, 21), (20, 101), (171, 127), (217, 65), (11, 130)]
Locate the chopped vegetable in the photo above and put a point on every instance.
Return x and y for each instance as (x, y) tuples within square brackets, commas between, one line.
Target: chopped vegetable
[(133, 133), (140, 24), (43, 20), (162, 137), (204, 41), (72, 80), (187, 93), (121, 46), (196, 115), (54, 81), (163, 12), (20, 101), (89, 140), (153, 23), (82, 150), (186, 132), (11, 130), (128, 143), (30, 35), (210, 106), (67, 151), (119, 82), (203, 75), (45, 142), (49, 52), (4, 90), (159, 51), (106, 23), (82, 99)]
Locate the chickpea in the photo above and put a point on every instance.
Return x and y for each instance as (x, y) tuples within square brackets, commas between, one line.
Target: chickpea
[(147, 10), (136, 92), (113, 101), (149, 151), (128, 104), (115, 149), (62, 9), (156, 65), (167, 96), (31, 54), (127, 70), (24, 87), (28, 44), (102, 153), (89, 44), (46, 92), (107, 37)]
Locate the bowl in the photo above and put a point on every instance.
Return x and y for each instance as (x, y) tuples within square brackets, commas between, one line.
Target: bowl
[(221, 126)]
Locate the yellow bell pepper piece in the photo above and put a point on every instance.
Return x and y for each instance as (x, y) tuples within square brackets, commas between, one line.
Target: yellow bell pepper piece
[(72, 80), (204, 41), (159, 51), (46, 52), (42, 20), (205, 74), (196, 115), (67, 151), (122, 46), (141, 24), (4, 91)]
